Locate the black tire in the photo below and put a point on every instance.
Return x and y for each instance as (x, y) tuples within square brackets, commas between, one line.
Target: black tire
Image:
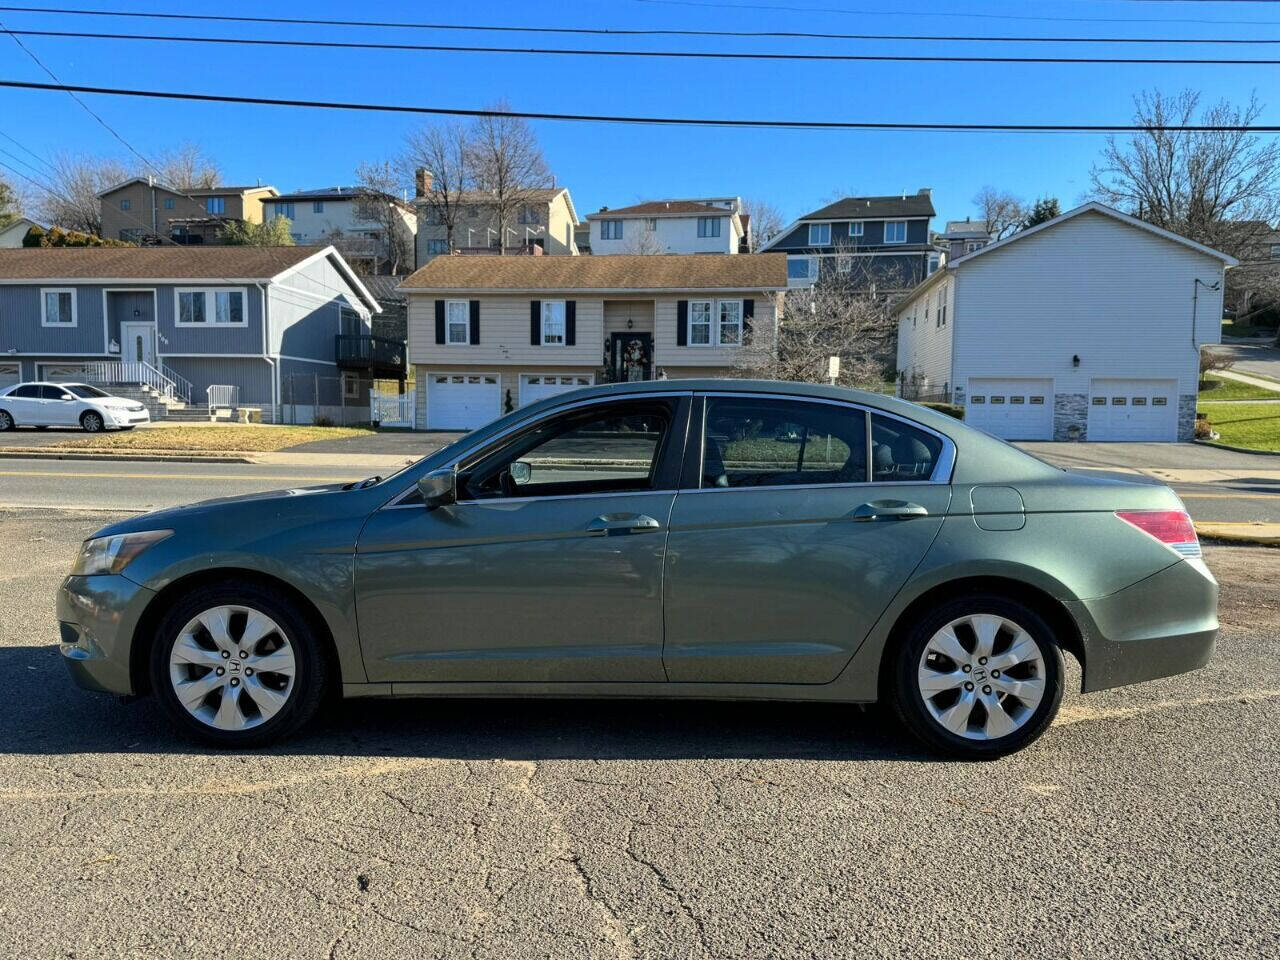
[(92, 422), (909, 703), (311, 679), (42, 427), (6, 421), (127, 428)]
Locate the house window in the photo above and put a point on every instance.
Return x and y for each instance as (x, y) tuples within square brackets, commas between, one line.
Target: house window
[(317, 206), (855, 229), (1275, 251), (132, 235), (730, 330), (553, 321), (819, 234), (57, 308), (350, 386), (214, 307), (972, 245), (895, 231), (215, 204), (437, 247), (844, 265), (651, 224), (610, 229), (168, 203), (700, 323), (527, 215), (458, 325), (284, 210), (802, 268), (708, 226), (126, 204)]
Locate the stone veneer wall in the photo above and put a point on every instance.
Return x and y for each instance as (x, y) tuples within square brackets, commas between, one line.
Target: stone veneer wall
[(1069, 409), (1186, 416)]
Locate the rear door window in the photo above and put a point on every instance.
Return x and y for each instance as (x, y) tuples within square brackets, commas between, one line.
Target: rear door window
[(902, 452)]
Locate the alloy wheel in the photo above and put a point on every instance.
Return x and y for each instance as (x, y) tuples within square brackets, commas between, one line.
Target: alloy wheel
[(982, 676), (91, 422), (232, 667), (6, 421)]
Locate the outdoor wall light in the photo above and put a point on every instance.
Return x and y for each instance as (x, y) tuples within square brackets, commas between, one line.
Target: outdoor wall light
[(1075, 360)]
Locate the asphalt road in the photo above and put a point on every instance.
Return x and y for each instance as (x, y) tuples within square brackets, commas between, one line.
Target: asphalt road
[(1144, 823), (152, 485)]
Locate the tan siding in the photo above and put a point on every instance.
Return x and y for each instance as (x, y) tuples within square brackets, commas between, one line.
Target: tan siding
[(504, 336), (667, 354)]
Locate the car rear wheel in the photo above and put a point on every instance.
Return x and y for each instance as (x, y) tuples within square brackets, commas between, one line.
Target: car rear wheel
[(6, 420), (91, 421), (978, 678), (237, 665)]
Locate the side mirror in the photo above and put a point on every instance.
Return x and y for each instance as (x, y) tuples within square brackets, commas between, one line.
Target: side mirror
[(439, 488), (67, 396), (521, 472)]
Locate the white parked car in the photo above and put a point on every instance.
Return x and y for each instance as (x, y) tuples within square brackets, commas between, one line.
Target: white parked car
[(68, 405)]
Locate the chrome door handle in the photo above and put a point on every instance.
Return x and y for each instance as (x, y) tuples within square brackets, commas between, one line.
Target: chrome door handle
[(622, 523), (889, 510)]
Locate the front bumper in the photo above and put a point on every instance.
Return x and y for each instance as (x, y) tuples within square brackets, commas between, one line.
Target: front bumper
[(125, 418), (1161, 626), (97, 619)]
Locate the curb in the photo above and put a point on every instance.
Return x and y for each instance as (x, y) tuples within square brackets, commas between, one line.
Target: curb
[(1239, 533), (1226, 446), (37, 454)]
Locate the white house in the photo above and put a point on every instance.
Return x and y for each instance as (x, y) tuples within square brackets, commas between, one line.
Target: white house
[(714, 225), (1086, 327), (333, 215)]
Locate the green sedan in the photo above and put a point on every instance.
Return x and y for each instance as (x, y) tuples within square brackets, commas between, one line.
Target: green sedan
[(701, 538)]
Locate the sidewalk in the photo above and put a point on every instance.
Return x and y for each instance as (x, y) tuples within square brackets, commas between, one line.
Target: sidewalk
[(1251, 379)]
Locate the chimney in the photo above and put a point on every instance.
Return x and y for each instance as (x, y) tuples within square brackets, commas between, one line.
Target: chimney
[(421, 182), (925, 192)]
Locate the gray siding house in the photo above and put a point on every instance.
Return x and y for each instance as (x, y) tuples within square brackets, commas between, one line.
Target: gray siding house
[(178, 320), (861, 241)]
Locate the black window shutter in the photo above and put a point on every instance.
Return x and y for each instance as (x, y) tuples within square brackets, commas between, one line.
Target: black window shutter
[(682, 323), (475, 322), (570, 322), (748, 310), (439, 321), (535, 322)]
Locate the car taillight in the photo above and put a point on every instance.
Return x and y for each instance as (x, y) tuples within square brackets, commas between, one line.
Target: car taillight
[(1173, 528)]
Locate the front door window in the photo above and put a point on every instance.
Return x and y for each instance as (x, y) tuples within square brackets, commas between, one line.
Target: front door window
[(631, 356)]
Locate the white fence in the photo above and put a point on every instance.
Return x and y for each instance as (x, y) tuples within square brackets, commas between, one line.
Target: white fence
[(168, 384), (392, 409), (222, 396)]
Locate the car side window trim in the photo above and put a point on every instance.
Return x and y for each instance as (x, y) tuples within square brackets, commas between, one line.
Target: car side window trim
[(691, 481)]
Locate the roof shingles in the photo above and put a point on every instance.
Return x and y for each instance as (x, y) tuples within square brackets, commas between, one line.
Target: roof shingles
[(763, 271), (147, 263)]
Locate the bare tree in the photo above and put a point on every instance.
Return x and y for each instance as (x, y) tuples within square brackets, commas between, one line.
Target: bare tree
[(185, 167), (376, 202), (441, 151), (10, 209), (1219, 188), (766, 221), (644, 241), (508, 166), (70, 199), (1003, 212)]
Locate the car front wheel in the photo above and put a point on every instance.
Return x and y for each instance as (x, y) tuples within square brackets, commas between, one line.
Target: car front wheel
[(91, 421), (978, 677), (6, 420), (237, 665)]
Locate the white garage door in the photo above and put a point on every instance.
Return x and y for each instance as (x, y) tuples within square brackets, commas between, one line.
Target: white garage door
[(539, 386), (9, 375), (1013, 409), (1133, 410), (462, 401), (60, 372)]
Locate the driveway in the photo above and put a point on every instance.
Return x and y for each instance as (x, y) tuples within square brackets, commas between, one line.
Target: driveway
[(1150, 456), (1259, 359), (409, 443)]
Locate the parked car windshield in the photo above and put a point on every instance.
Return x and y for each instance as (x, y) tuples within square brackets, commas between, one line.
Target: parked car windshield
[(83, 390)]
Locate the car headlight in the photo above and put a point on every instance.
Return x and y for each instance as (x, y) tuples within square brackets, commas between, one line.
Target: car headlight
[(112, 554)]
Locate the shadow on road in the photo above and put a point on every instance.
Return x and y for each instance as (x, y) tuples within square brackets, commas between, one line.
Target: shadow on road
[(44, 713)]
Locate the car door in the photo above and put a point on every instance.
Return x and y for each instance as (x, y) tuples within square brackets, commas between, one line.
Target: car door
[(26, 405), (804, 519), (60, 406), (549, 565)]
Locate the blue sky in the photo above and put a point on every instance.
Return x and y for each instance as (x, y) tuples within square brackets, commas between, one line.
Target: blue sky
[(614, 165)]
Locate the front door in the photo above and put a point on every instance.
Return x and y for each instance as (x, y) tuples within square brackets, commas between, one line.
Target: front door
[(138, 342), (789, 550), (549, 566), (631, 357)]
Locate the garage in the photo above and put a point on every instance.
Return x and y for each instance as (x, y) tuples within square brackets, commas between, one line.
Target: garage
[(10, 373), (1013, 409), (60, 372), (1133, 409), (539, 386), (462, 401)]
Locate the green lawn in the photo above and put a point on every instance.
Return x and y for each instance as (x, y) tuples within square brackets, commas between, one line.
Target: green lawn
[(1214, 388), (1252, 425), (215, 438), (1230, 329)]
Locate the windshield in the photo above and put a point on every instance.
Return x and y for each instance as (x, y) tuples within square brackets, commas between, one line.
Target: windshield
[(84, 390)]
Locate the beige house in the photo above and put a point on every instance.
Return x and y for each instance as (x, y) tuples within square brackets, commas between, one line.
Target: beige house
[(543, 226), (141, 208), (490, 334)]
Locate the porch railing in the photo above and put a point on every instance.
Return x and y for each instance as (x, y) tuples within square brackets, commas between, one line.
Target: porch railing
[(182, 385), (222, 396), (139, 372)]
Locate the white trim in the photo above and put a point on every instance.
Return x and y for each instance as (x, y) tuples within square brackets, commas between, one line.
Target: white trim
[(860, 224), (884, 239), (342, 267), (426, 391), (787, 230), (466, 340), (620, 293), (75, 309), (711, 322), (286, 356), (820, 243), (88, 354), (564, 323), (211, 308), (155, 316), (713, 333), (217, 356), (94, 281)]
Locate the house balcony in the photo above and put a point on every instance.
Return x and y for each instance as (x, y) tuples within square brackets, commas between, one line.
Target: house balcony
[(376, 357)]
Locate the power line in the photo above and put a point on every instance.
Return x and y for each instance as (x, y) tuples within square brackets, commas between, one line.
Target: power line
[(648, 54), (636, 32), (957, 126)]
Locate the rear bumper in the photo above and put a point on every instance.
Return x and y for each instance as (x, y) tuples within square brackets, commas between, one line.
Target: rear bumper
[(97, 618), (1161, 626)]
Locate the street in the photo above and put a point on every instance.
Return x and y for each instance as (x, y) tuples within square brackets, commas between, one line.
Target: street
[(1142, 824)]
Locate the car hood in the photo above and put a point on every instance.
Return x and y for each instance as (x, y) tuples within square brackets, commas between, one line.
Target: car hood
[(123, 402), (260, 506)]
